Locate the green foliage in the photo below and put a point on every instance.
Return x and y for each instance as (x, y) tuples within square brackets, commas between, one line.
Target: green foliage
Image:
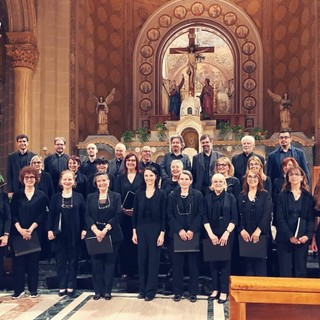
[(224, 128), (258, 133), (237, 130), (161, 130), (143, 134), (127, 136)]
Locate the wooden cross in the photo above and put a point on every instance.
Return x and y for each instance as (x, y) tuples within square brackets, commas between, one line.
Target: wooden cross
[(192, 51)]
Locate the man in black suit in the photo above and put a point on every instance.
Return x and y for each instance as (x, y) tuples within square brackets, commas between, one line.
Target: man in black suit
[(240, 161), (16, 161), (275, 158), (57, 162), (203, 165), (147, 162), (116, 165), (88, 167)]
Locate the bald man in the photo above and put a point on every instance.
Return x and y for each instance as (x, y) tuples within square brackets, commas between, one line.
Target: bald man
[(147, 162), (116, 165), (88, 167)]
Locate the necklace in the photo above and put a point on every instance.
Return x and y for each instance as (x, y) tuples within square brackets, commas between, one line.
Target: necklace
[(183, 196)]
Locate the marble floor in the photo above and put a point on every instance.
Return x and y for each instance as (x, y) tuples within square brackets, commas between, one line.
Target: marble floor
[(122, 306)]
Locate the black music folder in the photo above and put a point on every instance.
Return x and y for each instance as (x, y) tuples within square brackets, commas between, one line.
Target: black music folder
[(180, 245), (22, 247), (301, 229), (95, 247), (253, 250), (216, 252), (128, 200)]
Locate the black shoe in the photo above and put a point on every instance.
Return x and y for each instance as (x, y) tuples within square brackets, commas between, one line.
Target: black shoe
[(62, 293), (97, 296), (177, 297), (148, 298), (107, 296), (211, 298), (193, 298), (70, 293), (141, 296), (221, 301)]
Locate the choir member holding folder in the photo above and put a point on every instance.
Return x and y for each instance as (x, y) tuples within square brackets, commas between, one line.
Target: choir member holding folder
[(129, 181), (185, 209), (66, 227), (149, 222), (220, 219), (255, 207), (29, 209), (103, 215), (295, 218)]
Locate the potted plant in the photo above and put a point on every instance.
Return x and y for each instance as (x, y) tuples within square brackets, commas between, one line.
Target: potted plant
[(258, 133), (225, 130), (237, 131), (127, 136), (161, 130), (143, 134)]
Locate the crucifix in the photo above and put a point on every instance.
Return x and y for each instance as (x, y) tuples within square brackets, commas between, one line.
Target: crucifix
[(193, 52)]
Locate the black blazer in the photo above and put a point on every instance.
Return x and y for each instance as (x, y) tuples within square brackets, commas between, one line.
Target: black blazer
[(112, 168), (46, 184), (158, 204), (113, 214), (282, 215), (198, 168), (166, 163), (13, 170), (259, 214), (5, 214), (191, 222)]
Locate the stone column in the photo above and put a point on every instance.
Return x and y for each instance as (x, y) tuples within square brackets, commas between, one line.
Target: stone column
[(24, 54)]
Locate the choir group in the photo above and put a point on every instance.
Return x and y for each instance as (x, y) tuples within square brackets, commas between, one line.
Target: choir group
[(131, 208)]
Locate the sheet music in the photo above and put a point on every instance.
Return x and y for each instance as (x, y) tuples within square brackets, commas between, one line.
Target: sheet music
[(297, 229)]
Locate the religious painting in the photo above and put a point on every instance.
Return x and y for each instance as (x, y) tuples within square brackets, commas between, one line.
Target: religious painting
[(165, 21), (153, 34), (249, 123), (145, 69), (230, 18), (249, 103), (249, 66), (248, 48), (197, 8), (146, 51), (145, 105), (145, 124), (145, 86), (180, 12), (214, 11), (242, 31), (249, 84)]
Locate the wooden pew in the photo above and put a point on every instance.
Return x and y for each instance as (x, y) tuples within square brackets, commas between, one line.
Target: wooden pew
[(265, 298)]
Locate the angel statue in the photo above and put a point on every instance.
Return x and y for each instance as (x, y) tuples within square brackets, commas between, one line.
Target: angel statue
[(285, 106), (102, 110)]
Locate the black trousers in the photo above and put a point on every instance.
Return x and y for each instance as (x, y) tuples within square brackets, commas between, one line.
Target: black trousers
[(27, 264), (103, 266), (67, 257), (255, 267), (2, 255), (148, 257), (178, 264), (220, 273), (292, 259)]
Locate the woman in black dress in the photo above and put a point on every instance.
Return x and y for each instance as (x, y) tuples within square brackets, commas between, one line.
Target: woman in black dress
[(74, 164), (66, 227), (255, 207), (220, 219), (149, 222), (295, 219), (29, 209), (129, 180), (103, 215), (315, 244), (185, 209)]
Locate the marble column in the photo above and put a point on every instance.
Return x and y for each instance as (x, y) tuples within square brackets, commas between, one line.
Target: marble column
[(24, 54)]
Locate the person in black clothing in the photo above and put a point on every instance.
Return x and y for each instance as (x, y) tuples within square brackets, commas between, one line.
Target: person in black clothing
[(5, 225), (16, 161), (103, 216), (220, 219), (149, 223), (146, 161), (315, 244), (116, 165), (130, 180), (88, 166), (184, 210), (29, 209), (66, 227), (168, 185), (57, 162), (255, 207), (295, 218), (74, 163)]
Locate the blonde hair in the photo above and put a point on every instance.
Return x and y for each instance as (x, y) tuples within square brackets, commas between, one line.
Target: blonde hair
[(257, 159), (229, 164), (219, 176)]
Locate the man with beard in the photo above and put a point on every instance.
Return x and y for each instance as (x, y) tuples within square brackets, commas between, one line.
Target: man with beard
[(116, 165), (177, 145), (240, 161), (88, 167), (16, 161), (203, 165), (57, 162)]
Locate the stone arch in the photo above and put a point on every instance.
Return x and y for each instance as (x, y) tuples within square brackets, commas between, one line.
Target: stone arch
[(227, 17)]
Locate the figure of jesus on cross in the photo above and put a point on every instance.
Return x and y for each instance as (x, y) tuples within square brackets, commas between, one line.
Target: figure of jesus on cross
[(192, 51)]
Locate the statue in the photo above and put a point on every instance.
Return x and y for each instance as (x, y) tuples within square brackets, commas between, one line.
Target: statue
[(206, 100), (285, 106), (175, 99), (102, 110)]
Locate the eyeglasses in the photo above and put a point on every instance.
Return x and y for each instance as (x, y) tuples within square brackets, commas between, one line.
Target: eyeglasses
[(284, 137), (36, 162), (131, 160), (29, 177), (252, 177), (66, 205), (254, 165), (294, 174), (221, 165)]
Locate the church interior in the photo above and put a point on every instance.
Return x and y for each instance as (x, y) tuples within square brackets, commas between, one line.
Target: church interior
[(57, 57)]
